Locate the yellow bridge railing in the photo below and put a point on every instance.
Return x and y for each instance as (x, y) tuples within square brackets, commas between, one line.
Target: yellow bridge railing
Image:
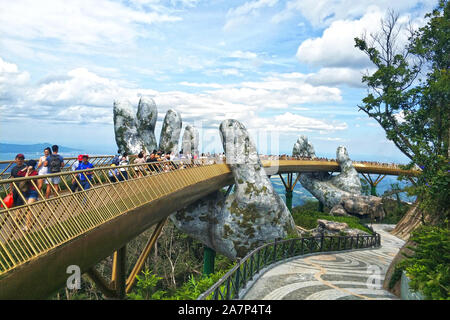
[(29, 230), (97, 161)]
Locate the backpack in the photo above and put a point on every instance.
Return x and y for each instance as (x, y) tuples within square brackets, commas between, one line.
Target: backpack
[(54, 164)]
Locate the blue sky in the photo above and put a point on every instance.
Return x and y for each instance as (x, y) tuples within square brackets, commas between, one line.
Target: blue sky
[(283, 68)]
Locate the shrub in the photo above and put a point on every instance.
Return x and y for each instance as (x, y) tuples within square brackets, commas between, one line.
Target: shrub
[(429, 267)]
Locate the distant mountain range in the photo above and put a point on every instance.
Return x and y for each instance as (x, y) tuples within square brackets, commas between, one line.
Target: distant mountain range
[(31, 148)]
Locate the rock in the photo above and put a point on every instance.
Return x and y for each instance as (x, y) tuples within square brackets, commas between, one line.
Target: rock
[(338, 210), (146, 117), (190, 140), (363, 206), (332, 228), (125, 127), (170, 132), (250, 216), (332, 225)]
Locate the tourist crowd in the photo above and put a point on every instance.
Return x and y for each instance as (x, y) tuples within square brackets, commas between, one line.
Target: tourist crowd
[(52, 162)]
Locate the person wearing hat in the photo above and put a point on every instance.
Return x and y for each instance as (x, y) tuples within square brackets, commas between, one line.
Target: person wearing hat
[(76, 185), (113, 173), (31, 194), (20, 164), (85, 177)]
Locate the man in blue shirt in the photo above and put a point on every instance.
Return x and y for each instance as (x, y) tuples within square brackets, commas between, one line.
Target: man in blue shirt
[(85, 164)]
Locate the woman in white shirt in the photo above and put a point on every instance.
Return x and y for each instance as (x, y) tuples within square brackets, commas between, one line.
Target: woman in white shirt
[(42, 170)]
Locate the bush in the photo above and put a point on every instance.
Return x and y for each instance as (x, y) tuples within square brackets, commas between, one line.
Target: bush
[(190, 290), (429, 267)]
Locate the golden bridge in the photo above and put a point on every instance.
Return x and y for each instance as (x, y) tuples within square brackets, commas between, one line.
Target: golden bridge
[(83, 227)]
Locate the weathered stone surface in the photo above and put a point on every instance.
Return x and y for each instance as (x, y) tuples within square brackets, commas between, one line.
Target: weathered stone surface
[(200, 219), (338, 210), (332, 228), (303, 148), (146, 117), (339, 192), (253, 214), (190, 140), (125, 127), (170, 132), (363, 206), (332, 225)]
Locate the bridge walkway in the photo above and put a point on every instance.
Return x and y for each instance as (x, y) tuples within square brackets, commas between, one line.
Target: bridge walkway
[(355, 275)]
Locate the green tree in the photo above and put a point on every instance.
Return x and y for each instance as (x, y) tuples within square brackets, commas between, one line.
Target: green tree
[(429, 267), (408, 95)]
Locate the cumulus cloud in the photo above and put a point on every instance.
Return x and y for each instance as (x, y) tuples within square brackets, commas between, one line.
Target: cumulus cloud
[(292, 123), (81, 96), (78, 24), (11, 79), (336, 47), (325, 12), (240, 14)]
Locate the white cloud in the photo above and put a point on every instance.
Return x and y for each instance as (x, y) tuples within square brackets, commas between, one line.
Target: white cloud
[(337, 77), (325, 12), (243, 55), (293, 123), (81, 96), (336, 47), (12, 81), (78, 24), (241, 14)]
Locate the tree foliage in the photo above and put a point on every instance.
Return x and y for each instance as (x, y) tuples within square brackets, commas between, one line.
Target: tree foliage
[(408, 95), (429, 267)]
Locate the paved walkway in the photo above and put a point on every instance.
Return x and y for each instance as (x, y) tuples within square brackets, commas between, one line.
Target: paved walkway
[(340, 276)]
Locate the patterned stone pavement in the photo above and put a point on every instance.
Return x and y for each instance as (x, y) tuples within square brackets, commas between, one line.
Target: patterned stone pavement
[(348, 275)]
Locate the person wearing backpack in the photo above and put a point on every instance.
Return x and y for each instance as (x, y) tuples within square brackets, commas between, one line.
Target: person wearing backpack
[(54, 163), (116, 159)]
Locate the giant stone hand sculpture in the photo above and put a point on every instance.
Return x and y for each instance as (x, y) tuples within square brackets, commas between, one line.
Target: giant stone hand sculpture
[(342, 192), (253, 214), (190, 140), (134, 131)]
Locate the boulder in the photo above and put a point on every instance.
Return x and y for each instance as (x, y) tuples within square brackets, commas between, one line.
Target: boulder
[(332, 228)]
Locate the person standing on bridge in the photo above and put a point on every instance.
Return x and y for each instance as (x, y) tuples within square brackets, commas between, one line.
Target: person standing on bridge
[(20, 164), (124, 161), (54, 163), (75, 184), (85, 177), (42, 169), (31, 194)]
